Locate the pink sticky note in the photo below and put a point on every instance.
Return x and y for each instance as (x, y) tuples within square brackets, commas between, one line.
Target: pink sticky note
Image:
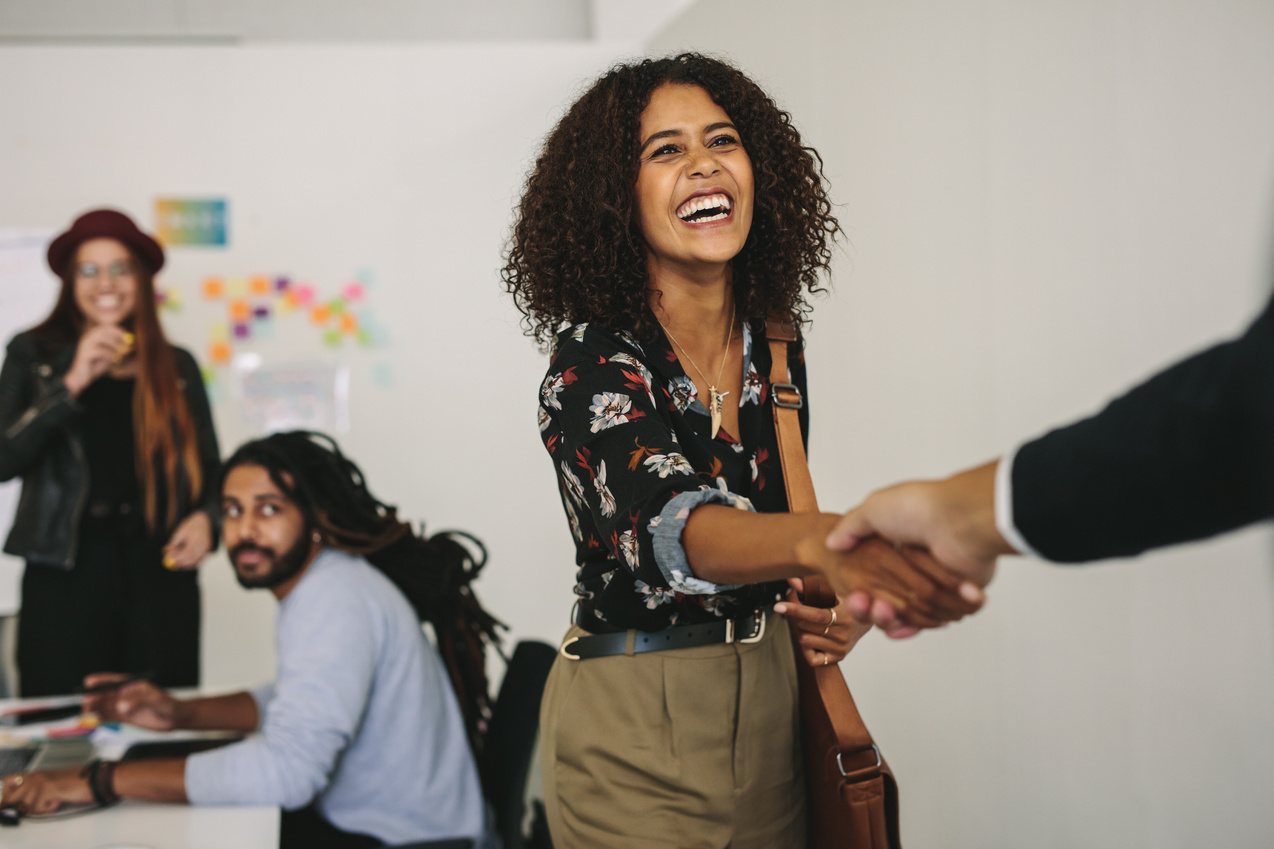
[(305, 293), (353, 291)]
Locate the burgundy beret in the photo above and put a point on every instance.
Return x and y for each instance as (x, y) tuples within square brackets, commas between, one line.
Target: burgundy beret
[(104, 224)]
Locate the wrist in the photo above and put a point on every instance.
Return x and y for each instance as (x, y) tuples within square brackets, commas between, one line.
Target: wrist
[(74, 383), (810, 551)]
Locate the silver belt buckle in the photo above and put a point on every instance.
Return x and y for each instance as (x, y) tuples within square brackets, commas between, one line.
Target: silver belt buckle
[(754, 637)]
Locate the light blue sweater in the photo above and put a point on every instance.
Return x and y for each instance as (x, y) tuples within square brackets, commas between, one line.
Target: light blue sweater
[(361, 716)]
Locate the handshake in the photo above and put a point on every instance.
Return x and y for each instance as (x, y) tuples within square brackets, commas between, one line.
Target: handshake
[(944, 542)]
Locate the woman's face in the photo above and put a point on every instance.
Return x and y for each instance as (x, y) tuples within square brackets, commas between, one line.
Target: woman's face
[(105, 282), (694, 186)]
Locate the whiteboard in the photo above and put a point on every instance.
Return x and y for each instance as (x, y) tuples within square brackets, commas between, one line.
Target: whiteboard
[(27, 292)]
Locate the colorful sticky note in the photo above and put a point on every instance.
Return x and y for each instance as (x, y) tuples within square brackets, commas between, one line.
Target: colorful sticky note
[(259, 285), (336, 305), (282, 284), (364, 338), (212, 288), (236, 287), (218, 331), (305, 293), (219, 352), (242, 330), (349, 323), (240, 310), (320, 314), (260, 311), (263, 329), (332, 338), (288, 302), (353, 291)]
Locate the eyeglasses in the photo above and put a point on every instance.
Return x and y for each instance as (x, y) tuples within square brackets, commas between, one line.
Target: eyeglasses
[(119, 270)]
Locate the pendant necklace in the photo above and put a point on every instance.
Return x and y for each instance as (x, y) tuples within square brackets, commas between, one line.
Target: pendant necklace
[(714, 396)]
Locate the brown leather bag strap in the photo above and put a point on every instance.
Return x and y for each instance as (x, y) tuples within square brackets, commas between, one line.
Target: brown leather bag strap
[(786, 400)]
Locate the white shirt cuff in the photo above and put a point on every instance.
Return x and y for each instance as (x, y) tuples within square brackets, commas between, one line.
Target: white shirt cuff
[(1004, 506)]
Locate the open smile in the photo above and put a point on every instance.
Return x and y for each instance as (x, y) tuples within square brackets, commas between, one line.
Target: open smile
[(706, 208)]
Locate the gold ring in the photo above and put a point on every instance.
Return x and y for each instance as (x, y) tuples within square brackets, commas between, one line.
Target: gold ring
[(826, 658), (17, 781), (830, 622)]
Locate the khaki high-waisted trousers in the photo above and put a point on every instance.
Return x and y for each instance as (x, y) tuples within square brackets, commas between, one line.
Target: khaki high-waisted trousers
[(692, 748)]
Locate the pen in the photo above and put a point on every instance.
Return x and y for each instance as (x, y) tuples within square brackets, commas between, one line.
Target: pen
[(111, 685)]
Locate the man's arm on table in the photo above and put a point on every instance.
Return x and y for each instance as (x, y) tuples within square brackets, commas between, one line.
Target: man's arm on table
[(145, 705)]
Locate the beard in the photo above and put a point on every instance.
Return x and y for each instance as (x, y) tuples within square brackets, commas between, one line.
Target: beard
[(282, 567)]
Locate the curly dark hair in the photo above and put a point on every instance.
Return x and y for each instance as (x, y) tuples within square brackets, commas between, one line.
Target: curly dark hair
[(577, 252)]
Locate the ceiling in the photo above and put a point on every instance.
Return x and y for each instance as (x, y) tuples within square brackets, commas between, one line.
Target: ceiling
[(254, 21)]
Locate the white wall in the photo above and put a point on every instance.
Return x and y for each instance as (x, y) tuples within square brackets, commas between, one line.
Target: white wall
[(1043, 203), (407, 160)]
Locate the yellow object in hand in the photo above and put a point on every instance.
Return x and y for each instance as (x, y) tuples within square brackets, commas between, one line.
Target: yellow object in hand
[(169, 562)]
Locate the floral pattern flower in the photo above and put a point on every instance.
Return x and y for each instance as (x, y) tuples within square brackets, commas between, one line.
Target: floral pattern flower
[(604, 493), (610, 409), (682, 390), (667, 464)]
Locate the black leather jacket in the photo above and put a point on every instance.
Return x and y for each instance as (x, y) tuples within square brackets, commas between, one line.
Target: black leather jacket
[(41, 441)]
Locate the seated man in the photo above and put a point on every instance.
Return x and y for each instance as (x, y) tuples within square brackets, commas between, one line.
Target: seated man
[(360, 738)]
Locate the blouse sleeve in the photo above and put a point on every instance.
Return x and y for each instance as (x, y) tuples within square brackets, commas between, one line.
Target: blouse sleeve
[(617, 457)]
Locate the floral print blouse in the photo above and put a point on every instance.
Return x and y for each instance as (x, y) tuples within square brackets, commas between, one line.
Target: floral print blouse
[(629, 441)]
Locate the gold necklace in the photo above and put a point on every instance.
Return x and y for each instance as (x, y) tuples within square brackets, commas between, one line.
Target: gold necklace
[(714, 397)]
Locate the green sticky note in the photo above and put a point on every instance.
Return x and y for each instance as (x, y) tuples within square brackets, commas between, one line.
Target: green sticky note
[(332, 338)]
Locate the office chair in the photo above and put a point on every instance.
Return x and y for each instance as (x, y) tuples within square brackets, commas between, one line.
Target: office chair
[(505, 764)]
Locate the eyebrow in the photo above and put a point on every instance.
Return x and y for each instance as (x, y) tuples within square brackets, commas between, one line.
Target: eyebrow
[(664, 134), (269, 496)]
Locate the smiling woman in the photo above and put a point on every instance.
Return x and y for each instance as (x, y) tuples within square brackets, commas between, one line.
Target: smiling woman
[(108, 426), (673, 219)]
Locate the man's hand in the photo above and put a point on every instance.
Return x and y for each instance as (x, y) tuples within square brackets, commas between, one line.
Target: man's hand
[(953, 520), (44, 791), (923, 594), (139, 703)]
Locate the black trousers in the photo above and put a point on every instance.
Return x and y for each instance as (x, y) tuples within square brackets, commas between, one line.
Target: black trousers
[(118, 610), (306, 828)]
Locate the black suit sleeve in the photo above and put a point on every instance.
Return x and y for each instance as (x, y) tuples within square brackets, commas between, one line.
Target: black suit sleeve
[(1185, 455)]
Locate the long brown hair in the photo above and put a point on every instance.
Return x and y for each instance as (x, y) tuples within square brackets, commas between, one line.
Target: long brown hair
[(163, 429)]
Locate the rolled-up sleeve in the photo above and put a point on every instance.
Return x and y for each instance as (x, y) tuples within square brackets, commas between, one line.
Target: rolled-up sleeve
[(670, 553)]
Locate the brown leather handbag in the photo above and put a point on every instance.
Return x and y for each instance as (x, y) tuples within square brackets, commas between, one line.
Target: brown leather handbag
[(853, 798)]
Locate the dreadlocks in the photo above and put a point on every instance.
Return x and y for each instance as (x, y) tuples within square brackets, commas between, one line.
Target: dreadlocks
[(434, 572)]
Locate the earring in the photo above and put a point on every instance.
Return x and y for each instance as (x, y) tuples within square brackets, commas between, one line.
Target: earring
[(316, 536)]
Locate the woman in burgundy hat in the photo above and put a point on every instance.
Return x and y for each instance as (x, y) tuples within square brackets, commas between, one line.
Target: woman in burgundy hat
[(109, 428)]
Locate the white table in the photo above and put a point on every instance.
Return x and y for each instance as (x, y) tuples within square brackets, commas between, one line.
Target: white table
[(144, 825)]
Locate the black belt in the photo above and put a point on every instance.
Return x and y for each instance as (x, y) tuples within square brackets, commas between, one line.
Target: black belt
[(744, 629)]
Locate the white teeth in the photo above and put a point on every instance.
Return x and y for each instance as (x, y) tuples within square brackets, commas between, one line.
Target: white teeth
[(108, 302), (717, 201)]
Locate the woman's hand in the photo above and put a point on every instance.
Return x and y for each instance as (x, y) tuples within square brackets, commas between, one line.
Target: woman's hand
[(826, 635), (99, 349), (138, 703), (190, 542), (43, 791)]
